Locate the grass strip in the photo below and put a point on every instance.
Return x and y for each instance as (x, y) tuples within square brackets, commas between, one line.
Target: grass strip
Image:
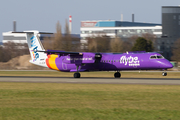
[(19, 101)]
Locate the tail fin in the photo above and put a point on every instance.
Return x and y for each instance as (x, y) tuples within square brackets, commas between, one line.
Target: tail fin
[(35, 45)]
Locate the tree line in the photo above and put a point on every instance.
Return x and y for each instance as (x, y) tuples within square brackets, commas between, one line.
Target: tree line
[(59, 41), (11, 50)]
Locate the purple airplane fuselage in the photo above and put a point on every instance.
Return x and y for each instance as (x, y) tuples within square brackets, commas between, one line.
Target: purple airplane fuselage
[(107, 62)]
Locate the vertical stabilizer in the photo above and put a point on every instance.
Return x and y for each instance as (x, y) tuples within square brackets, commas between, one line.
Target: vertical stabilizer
[(35, 45)]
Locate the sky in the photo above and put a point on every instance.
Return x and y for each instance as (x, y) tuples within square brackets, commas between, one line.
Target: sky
[(42, 15)]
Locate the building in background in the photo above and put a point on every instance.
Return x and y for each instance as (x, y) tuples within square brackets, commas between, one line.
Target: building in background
[(170, 30), (21, 38), (118, 28), (171, 21), (122, 29)]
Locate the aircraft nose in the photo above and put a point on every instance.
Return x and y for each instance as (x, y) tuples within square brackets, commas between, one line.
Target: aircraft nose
[(167, 64), (164, 64)]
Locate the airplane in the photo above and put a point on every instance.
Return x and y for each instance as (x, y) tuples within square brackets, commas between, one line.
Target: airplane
[(87, 61)]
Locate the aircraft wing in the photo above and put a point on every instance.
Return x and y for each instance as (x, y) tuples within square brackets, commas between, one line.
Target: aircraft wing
[(60, 52), (76, 57)]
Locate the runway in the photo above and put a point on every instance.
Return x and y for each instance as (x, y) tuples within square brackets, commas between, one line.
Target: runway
[(92, 80)]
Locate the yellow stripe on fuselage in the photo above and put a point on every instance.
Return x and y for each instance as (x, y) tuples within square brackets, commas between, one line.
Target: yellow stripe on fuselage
[(52, 62)]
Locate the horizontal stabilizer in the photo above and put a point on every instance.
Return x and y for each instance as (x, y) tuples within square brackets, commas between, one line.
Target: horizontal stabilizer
[(32, 32)]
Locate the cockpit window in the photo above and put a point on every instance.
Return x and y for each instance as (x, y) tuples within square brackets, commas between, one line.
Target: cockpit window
[(153, 57), (156, 57), (160, 56)]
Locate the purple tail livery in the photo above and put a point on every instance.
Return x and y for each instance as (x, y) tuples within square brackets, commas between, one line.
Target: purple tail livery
[(86, 61)]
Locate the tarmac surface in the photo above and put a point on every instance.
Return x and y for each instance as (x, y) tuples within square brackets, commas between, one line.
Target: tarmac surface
[(92, 80)]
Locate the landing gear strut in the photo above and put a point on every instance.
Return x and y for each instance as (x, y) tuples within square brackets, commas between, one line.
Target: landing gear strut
[(77, 74), (164, 73), (117, 75)]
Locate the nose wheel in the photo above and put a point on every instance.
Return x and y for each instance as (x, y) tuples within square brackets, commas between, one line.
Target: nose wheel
[(164, 73), (117, 75)]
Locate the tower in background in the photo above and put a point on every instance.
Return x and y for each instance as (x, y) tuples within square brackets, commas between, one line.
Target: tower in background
[(14, 26), (70, 24), (171, 21)]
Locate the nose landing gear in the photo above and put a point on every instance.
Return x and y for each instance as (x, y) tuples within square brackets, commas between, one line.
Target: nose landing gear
[(164, 73)]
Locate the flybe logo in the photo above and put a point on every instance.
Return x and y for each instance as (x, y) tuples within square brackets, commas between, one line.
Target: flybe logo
[(33, 41), (131, 61), (34, 46)]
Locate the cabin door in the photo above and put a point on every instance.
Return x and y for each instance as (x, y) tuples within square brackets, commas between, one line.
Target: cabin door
[(64, 66)]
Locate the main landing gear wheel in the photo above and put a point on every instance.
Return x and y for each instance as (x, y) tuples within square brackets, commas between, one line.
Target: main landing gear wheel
[(164, 73), (77, 75), (117, 75)]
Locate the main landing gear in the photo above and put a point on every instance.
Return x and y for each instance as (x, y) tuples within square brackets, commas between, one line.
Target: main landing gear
[(117, 75), (77, 74), (164, 73)]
